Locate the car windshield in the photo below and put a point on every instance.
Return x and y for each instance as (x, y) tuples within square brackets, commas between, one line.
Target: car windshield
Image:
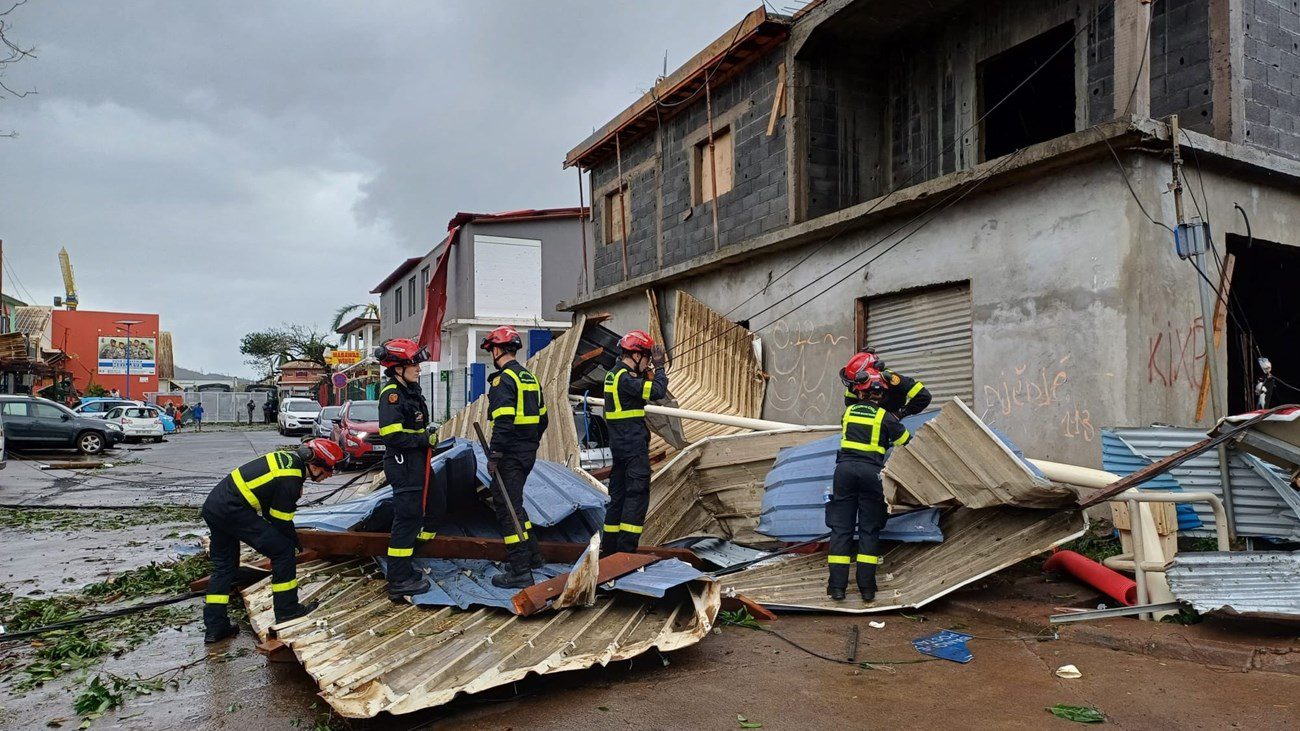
[(302, 407), (329, 412), (364, 411)]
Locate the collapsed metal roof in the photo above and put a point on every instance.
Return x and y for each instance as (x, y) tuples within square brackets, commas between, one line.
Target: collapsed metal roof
[(370, 655), (1255, 583)]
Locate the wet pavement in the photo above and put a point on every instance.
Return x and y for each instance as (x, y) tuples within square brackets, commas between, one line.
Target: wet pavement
[(734, 672)]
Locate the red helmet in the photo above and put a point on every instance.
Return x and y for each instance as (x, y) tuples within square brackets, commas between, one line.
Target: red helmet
[(503, 337), (857, 369), (400, 351), (874, 362), (636, 341), (320, 452), (873, 383)]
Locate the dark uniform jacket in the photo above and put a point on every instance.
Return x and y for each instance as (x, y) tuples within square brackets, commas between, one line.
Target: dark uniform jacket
[(906, 395), (271, 485), (867, 431), (517, 409), (403, 419), (626, 394)]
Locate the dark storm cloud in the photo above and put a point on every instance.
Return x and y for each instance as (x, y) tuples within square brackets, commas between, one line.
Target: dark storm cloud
[(232, 165)]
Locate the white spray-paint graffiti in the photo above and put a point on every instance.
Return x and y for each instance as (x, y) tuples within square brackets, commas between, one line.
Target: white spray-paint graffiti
[(1028, 392), (804, 369)]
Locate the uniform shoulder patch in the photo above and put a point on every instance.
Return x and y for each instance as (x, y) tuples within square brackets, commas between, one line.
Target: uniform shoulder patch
[(894, 379), (392, 398)]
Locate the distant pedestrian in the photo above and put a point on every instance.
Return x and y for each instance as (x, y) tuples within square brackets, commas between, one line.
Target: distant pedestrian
[(171, 410), (198, 417), (115, 394), (267, 412), (249, 406), (180, 416)]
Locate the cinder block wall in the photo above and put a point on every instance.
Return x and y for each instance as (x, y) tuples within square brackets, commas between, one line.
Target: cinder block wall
[(1180, 63), (1272, 75)]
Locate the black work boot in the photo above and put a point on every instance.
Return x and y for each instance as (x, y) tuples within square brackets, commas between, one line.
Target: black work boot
[(535, 558), (512, 579), (217, 633), (837, 581), (411, 587), (835, 592), (867, 581), (295, 612)]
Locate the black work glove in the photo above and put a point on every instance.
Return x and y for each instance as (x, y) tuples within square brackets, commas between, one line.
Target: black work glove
[(492, 464), (657, 356)]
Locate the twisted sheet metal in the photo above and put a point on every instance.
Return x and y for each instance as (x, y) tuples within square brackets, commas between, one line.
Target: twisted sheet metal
[(369, 655), (1242, 582)]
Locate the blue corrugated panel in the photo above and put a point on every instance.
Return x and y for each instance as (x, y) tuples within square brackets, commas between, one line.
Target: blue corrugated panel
[(1119, 457), (465, 583), (553, 492), (657, 578), (717, 551)]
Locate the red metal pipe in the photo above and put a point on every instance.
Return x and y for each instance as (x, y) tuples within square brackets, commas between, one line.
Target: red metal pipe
[(1108, 581)]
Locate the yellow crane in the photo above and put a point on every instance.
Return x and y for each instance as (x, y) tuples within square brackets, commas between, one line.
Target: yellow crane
[(69, 284)]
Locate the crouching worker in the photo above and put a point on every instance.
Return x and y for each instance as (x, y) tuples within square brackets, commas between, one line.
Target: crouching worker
[(255, 505), (857, 503), (518, 414)]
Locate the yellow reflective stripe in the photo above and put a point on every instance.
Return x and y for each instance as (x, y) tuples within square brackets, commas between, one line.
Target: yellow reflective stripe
[(503, 411), (611, 388), (915, 390), (873, 422), (285, 585), (425, 535), (389, 387), (523, 418), (865, 558), (837, 559), (217, 599), (645, 390), (907, 436), (611, 528), (400, 552), (512, 539), (629, 528), (394, 428), (249, 497), (280, 514)]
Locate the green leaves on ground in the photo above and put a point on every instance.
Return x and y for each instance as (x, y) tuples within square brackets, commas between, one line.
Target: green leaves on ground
[(738, 618), (1079, 714), (745, 722), (108, 691), (98, 520)]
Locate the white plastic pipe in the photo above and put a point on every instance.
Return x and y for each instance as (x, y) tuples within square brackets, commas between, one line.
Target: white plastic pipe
[(1073, 474), (725, 419)]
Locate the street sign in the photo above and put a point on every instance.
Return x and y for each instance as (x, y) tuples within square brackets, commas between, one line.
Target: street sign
[(345, 357), (339, 380)]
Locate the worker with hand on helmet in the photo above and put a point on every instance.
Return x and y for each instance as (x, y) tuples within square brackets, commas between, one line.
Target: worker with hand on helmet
[(404, 428), (906, 396), (857, 503), (518, 413), (255, 504), (637, 378)]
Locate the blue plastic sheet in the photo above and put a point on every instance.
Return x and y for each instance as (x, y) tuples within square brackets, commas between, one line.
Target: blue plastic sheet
[(945, 645)]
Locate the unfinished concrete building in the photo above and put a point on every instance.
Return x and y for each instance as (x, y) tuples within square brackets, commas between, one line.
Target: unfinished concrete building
[(981, 191)]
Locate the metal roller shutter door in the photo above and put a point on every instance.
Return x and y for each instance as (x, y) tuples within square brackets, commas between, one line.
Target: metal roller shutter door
[(926, 335)]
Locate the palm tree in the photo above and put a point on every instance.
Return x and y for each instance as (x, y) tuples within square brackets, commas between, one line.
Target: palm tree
[(345, 313)]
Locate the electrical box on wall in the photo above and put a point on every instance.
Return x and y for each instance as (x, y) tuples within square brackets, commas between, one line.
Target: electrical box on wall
[(1190, 238)]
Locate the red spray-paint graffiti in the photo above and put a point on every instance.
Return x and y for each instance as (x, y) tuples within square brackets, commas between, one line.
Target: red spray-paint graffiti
[(1176, 355)]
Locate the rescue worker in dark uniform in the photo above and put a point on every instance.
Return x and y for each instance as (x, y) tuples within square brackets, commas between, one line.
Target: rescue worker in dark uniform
[(518, 413), (255, 505), (404, 428), (857, 503), (627, 390), (906, 395)]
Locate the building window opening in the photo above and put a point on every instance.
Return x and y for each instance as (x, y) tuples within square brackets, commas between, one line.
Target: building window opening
[(397, 305), (719, 159), (617, 204), (1265, 323), (1043, 108)]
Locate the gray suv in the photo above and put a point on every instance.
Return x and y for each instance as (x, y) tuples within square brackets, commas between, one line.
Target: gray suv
[(37, 423)]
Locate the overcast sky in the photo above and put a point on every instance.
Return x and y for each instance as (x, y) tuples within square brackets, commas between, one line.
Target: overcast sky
[(236, 165)]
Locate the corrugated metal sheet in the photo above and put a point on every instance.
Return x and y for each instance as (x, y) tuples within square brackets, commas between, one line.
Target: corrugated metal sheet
[(1260, 508), (34, 322), (552, 366), (1242, 582), (926, 335), (369, 655), (976, 543), (954, 459), (1119, 457), (715, 487), (717, 370), (719, 552), (465, 583), (656, 579)]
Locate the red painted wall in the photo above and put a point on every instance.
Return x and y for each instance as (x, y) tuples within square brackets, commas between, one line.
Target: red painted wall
[(77, 333)]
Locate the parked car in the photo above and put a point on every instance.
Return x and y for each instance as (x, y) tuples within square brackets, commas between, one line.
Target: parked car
[(356, 429), (169, 424), (32, 423), (97, 406), (324, 424), (297, 415), (138, 422)]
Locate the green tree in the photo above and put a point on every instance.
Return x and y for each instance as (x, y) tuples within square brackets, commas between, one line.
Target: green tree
[(268, 349), (347, 312)]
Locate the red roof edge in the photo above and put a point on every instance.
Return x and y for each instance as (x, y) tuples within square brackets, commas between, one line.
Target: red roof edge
[(526, 214)]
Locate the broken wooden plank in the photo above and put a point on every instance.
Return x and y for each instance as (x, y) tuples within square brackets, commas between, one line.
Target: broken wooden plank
[(358, 543), (277, 651), (756, 610), (1220, 323), (778, 101), (536, 598)]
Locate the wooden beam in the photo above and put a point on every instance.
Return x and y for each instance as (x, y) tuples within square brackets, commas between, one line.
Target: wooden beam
[(1220, 323), (355, 543), (537, 597), (756, 610), (277, 651), (778, 101)]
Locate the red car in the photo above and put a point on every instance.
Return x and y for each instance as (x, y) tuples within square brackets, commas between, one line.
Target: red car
[(356, 429)]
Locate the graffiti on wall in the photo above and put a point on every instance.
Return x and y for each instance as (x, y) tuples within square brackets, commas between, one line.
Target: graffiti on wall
[(1176, 355), (804, 371), (1032, 393)]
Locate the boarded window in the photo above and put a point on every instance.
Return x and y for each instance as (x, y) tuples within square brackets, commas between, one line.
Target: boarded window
[(616, 204), (410, 295), (424, 284), (397, 305), (722, 161), (925, 335)]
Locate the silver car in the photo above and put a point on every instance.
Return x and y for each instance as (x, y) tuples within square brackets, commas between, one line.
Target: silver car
[(324, 424)]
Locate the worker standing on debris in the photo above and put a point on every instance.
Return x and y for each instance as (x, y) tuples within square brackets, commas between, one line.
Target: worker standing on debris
[(906, 395), (857, 501), (404, 427), (628, 387), (518, 413), (255, 505)]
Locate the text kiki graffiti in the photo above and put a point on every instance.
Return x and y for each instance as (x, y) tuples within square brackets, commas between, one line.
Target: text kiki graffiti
[(1177, 355), (1029, 390)]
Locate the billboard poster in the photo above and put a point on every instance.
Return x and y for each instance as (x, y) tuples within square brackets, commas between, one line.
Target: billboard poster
[(111, 356)]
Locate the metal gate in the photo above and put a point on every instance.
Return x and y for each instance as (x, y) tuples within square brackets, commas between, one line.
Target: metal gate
[(218, 406), (926, 335)]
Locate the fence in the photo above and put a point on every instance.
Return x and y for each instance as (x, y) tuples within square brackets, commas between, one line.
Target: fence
[(218, 406)]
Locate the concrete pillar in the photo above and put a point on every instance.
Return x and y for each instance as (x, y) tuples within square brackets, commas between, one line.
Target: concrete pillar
[(1132, 58), (1227, 70)]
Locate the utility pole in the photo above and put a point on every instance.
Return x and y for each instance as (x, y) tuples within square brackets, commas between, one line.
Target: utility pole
[(1198, 248)]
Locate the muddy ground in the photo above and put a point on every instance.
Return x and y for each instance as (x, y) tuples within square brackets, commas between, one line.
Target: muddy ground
[(736, 672)]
